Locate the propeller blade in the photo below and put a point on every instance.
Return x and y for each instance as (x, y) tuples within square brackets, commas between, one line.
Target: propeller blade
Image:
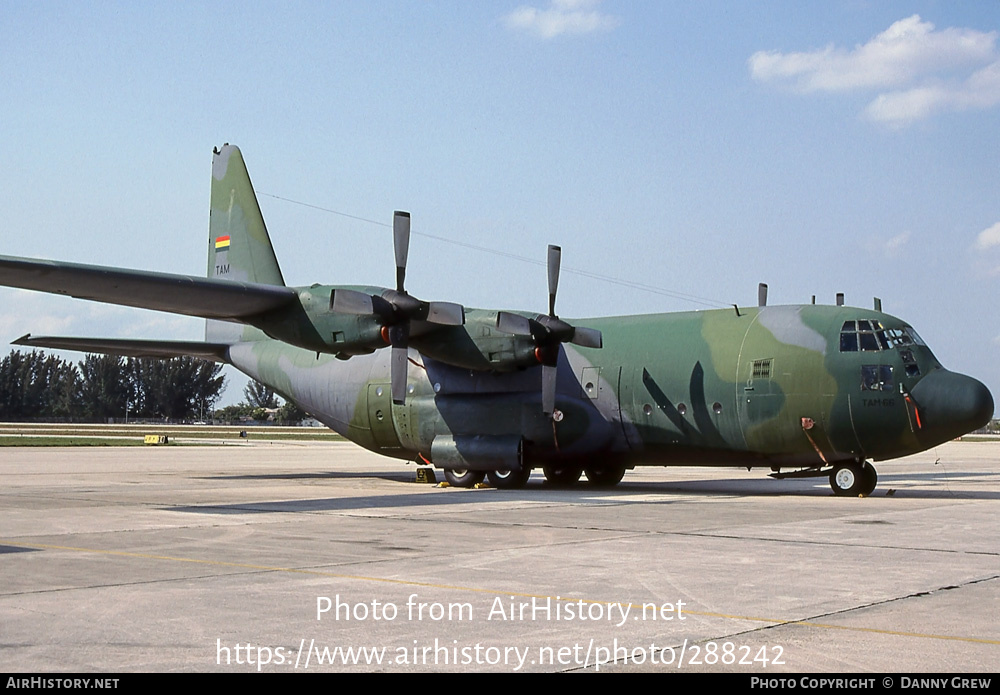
[(548, 389), (587, 337), (555, 255), (398, 375), (351, 302), (445, 313), (399, 338), (401, 244), (513, 323)]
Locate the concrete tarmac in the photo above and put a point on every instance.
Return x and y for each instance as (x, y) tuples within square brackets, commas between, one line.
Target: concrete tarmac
[(277, 557)]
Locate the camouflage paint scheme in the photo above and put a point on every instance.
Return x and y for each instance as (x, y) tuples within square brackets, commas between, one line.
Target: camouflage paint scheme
[(757, 386)]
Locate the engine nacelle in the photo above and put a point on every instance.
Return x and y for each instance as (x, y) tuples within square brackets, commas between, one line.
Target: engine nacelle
[(313, 326), (478, 345)]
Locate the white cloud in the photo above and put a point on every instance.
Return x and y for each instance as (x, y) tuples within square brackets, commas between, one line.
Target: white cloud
[(989, 237), (980, 91), (919, 70), (889, 248), (561, 17)]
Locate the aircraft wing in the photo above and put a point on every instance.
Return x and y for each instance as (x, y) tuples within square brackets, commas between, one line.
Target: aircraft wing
[(208, 298), (215, 352)]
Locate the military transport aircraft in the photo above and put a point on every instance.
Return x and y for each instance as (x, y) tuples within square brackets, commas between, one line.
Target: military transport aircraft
[(803, 390)]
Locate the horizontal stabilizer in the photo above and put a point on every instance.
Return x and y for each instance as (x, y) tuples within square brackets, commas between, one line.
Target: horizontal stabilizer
[(131, 348), (179, 294)]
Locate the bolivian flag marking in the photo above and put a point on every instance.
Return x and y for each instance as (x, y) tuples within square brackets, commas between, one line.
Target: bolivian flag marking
[(221, 243)]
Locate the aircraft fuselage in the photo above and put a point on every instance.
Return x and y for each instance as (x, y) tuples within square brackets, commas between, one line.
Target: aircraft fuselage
[(782, 386)]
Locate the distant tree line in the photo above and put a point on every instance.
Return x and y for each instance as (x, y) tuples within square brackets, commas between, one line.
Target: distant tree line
[(261, 405), (34, 385), (38, 386)]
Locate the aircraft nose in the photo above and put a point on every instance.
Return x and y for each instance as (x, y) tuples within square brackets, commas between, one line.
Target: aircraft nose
[(952, 404)]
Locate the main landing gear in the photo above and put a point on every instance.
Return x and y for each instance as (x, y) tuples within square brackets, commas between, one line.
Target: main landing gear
[(509, 480), (503, 480), (459, 477), (607, 475), (853, 479), (562, 475)]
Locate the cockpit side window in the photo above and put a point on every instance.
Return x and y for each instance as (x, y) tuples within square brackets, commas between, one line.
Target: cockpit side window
[(917, 340), (877, 377)]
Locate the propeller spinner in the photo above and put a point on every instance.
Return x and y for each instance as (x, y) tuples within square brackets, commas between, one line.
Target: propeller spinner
[(395, 309), (548, 332)]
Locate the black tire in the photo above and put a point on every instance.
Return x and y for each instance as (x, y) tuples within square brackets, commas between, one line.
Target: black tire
[(871, 480), (562, 475), (509, 480), (463, 478), (605, 476), (853, 479)]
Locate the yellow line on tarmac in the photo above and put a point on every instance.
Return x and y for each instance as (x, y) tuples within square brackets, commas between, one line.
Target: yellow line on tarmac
[(514, 594)]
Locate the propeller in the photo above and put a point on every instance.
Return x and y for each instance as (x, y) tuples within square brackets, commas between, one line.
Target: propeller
[(548, 331), (395, 309)]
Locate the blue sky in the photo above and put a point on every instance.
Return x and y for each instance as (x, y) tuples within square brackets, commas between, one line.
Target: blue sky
[(697, 148)]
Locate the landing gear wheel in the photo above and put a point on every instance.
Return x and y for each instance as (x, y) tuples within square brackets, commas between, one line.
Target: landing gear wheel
[(459, 477), (561, 475), (871, 480), (509, 480), (605, 476), (853, 479)]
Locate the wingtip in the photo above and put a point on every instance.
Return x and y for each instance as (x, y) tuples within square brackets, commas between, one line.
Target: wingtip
[(23, 340)]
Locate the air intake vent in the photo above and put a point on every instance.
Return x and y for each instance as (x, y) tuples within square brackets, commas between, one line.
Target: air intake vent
[(761, 369)]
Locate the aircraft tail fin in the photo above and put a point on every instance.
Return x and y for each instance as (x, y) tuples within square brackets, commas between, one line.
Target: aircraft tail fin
[(239, 247)]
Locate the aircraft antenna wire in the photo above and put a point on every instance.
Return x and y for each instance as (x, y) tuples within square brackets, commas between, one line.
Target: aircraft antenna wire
[(652, 289)]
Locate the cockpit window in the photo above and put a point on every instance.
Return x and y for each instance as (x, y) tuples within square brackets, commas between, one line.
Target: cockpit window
[(876, 377), (869, 335), (868, 343), (898, 337), (865, 335), (849, 342), (909, 364), (916, 338)]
